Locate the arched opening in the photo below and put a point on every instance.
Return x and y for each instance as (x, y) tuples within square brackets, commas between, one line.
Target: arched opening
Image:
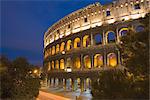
[(98, 60), (112, 59), (86, 41), (57, 48), (111, 37), (53, 50), (68, 44), (68, 84), (62, 64), (88, 84), (56, 81), (139, 28), (77, 84), (77, 63), (57, 64), (87, 61), (62, 47), (49, 66), (53, 65), (76, 42), (68, 65), (123, 31), (98, 39)]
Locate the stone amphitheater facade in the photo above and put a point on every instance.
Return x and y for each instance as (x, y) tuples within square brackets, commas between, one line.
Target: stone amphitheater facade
[(85, 42)]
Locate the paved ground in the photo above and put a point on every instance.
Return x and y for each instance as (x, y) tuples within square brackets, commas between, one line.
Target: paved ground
[(50, 96), (59, 91)]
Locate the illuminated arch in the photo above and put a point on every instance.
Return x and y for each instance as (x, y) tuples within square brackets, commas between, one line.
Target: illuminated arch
[(87, 61), (57, 64), (77, 63), (111, 37), (49, 66), (88, 82), (78, 82), (62, 64), (86, 41), (123, 31), (53, 65), (139, 28), (112, 60), (98, 60), (68, 44), (62, 46), (57, 48), (76, 42), (98, 39), (53, 50)]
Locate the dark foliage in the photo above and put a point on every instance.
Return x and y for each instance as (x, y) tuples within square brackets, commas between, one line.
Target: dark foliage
[(16, 82)]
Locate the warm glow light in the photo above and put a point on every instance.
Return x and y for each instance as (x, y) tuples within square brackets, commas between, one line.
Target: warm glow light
[(57, 64), (62, 64), (112, 60), (49, 67), (77, 63), (68, 69), (35, 71), (62, 47), (53, 50), (68, 44), (86, 40), (87, 62), (52, 64), (76, 42), (57, 48), (63, 52), (98, 60)]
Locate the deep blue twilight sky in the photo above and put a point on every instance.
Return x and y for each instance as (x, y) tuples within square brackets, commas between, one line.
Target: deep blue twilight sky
[(23, 23)]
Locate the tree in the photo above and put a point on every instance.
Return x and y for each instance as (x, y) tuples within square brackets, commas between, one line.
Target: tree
[(135, 53), (22, 84), (5, 78), (112, 84)]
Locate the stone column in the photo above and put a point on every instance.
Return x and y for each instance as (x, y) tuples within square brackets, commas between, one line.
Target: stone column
[(53, 82), (65, 63), (72, 84), (92, 61), (50, 82), (91, 39), (105, 59), (119, 57), (72, 44), (81, 42), (65, 84), (118, 40), (104, 39), (82, 62)]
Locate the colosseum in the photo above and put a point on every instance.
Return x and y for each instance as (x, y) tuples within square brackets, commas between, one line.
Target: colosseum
[(85, 42)]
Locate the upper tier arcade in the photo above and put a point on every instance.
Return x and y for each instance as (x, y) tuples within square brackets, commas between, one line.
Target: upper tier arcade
[(96, 15)]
